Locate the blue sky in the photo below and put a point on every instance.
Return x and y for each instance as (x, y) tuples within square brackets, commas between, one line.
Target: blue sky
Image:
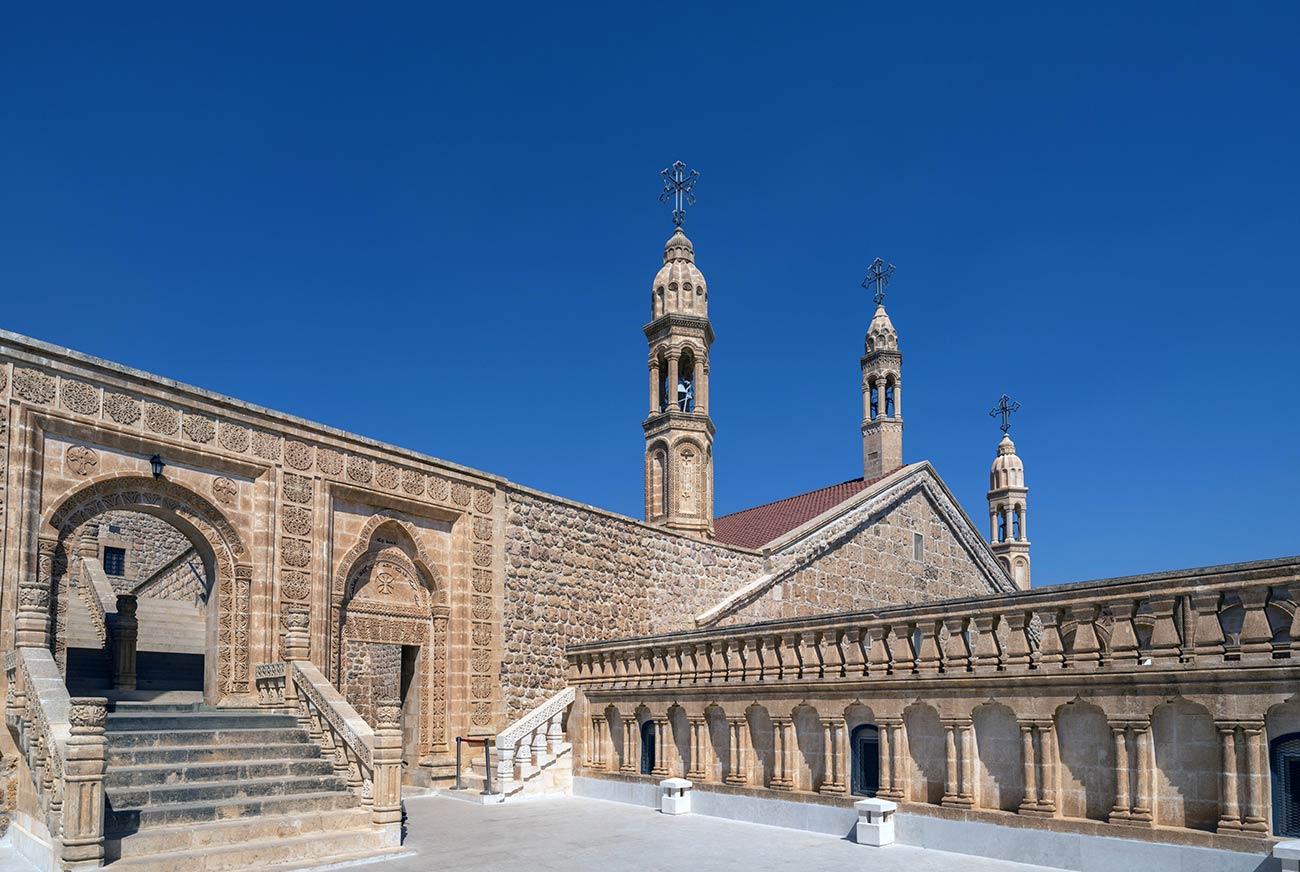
[(438, 227)]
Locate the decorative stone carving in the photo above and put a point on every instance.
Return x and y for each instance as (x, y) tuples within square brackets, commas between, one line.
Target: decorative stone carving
[(482, 528), (480, 661), (438, 488), (295, 552), (359, 469), (386, 475), (481, 634), (33, 385), (412, 482), (4, 377), (199, 429), (80, 459), (297, 488), (161, 419), (234, 437), (482, 607), (225, 490), (121, 408), (80, 397), (480, 686), (482, 580), (295, 585), (296, 520), (297, 618), (481, 714), (87, 713), (329, 461), (460, 493), (266, 445), (482, 501), (297, 454), (482, 555), (388, 713)]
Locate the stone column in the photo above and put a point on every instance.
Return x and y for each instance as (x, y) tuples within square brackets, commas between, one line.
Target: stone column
[(950, 764), (1029, 805), (1229, 810), (655, 386), (82, 845), (697, 382), (1144, 763), (904, 756), (739, 735), (781, 735), (1123, 806), (630, 759), (593, 744), (697, 772), (125, 634), (898, 398), (673, 355), (32, 624), (386, 758), (880, 397), (660, 769), (1256, 773), (555, 734), (832, 756), (1047, 738), (966, 734), (702, 391)]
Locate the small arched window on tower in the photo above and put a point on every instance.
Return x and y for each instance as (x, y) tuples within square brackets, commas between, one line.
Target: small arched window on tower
[(659, 301), (663, 382), (686, 382), (889, 399), (1002, 526), (1015, 523), (875, 398)]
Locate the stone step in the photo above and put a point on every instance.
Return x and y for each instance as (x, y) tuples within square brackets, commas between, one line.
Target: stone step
[(121, 740), (147, 796), (297, 853), (169, 774), (120, 822), (137, 721), (235, 832), (198, 754)]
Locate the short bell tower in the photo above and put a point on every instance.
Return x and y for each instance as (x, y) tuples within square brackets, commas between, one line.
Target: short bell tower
[(882, 385), (678, 431)]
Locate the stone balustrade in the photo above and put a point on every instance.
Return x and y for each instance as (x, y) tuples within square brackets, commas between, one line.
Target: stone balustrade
[(1148, 702), (62, 739), (532, 740)]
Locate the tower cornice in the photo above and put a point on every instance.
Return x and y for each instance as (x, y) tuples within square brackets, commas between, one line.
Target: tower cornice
[(667, 322)]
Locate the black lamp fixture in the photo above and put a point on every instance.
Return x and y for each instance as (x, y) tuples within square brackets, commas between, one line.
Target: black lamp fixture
[(156, 463)]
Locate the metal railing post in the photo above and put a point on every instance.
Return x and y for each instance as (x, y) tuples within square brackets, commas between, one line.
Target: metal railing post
[(487, 766), (458, 786)]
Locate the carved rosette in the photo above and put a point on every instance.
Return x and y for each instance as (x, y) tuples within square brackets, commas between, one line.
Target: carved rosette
[(161, 419), (80, 397), (121, 408), (297, 488), (297, 455), (33, 385), (329, 461), (233, 437), (199, 429), (80, 459)]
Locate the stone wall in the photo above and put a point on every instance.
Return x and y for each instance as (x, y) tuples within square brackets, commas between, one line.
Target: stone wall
[(871, 562), (576, 574), (183, 581), (150, 544)]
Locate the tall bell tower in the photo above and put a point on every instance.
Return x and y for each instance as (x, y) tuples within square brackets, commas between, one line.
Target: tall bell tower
[(882, 385), (1008, 501), (678, 431)]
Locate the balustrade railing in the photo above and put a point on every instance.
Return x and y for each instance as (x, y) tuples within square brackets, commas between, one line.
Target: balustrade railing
[(62, 740), (532, 740), (1201, 618)]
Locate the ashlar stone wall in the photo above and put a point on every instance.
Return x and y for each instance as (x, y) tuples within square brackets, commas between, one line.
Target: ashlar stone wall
[(150, 544)]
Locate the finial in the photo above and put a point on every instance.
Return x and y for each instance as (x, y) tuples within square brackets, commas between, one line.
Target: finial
[(679, 189), (1005, 407), (878, 274)]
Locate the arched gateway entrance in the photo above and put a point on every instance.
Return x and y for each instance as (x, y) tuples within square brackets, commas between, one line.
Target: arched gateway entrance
[(71, 565)]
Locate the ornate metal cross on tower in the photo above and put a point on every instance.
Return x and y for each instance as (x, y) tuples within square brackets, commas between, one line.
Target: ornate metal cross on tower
[(679, 189), (878, 274), (1005, 407)]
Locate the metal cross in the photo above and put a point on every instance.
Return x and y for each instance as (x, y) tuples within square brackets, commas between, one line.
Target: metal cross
[(1005, 407), (679, 189), (878, 274)]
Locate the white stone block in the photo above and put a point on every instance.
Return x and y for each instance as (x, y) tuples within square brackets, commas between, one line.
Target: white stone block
[(875, 822), (676, 796), (1289, 853)]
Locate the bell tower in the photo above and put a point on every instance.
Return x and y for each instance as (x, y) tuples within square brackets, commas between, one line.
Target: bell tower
[(1008, 498), (882, 391), (678, 431)]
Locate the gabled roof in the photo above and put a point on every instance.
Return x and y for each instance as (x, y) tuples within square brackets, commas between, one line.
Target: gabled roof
[(754, 528)]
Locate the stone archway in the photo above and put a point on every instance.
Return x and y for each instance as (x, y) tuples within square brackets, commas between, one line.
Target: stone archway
[(388, 633), (225, 556)]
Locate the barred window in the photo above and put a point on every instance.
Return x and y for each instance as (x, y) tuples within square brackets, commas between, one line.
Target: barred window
[(115, 561)]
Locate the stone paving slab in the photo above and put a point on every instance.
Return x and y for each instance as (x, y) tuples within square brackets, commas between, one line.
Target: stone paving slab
[(573, 834)]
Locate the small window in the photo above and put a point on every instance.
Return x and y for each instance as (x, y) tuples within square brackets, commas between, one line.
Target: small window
[(114, 528), (918, 546), (115, 561)]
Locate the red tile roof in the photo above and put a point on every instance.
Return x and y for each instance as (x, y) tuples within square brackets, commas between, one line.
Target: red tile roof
[(754, 528)]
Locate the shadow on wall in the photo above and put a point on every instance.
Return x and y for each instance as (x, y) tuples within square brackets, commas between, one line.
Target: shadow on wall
[(1087, 755), (1001, 779)]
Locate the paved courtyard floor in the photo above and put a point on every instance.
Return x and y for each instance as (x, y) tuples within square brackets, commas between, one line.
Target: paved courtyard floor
[(573, 835)]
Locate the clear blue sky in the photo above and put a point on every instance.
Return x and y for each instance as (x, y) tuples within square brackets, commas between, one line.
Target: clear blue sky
[(438, 227)]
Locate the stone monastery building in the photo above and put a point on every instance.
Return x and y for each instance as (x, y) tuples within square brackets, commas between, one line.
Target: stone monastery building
[(231, 636)]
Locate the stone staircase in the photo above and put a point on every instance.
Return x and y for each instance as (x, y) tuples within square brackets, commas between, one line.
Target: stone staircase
[(189, 788), (546, 774)]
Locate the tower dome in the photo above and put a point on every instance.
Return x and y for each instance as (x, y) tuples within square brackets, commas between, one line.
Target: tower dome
[(679, 286), (1008, 470), (881, 335)]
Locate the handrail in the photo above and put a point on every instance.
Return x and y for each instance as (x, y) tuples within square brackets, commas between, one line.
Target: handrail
[(538, 716), (99, 596), (532, 737)]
